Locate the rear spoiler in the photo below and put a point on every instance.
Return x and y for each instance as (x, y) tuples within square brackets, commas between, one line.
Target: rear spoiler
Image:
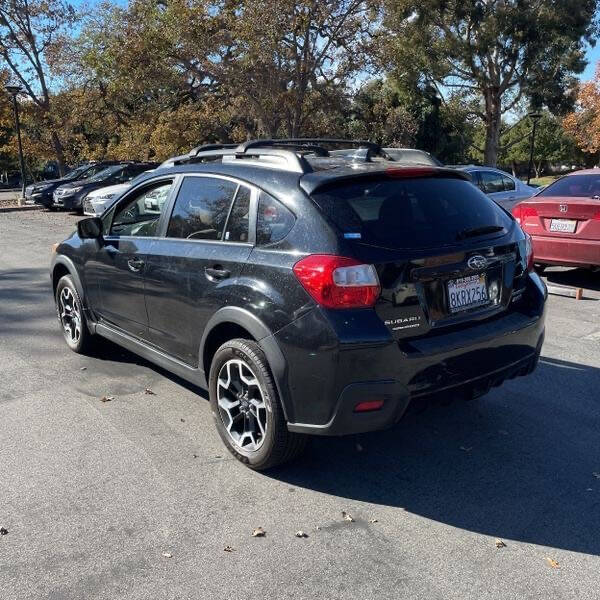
[(312, 182)]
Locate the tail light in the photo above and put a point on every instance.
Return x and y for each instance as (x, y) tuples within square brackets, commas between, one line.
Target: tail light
[(338, 282), (401, 172), (522, 211)]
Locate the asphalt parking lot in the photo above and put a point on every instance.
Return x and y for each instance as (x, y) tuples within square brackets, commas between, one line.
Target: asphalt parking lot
[(94, 494)]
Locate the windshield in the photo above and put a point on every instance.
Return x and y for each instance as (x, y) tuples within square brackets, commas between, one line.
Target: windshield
[(411, 213), (575, 186), (78, 172), (106, 173)]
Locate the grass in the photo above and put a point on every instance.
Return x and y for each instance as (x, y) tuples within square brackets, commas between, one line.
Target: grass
[(544, 180)]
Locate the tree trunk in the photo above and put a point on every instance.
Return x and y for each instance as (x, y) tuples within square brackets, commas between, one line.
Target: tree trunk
[(59, 153), (493, 120), (514, 168)]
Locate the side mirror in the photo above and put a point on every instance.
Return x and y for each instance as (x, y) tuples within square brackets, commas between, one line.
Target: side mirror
[(90, 229)]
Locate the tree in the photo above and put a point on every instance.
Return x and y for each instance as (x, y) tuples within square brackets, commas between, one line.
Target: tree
[(30, 32), (552, 144), (584, 122), (496, 51)]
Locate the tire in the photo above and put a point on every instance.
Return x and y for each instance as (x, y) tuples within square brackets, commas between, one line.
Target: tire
[(72, 321), (263, 440)]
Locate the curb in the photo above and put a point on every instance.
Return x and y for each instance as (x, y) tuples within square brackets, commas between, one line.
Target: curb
[(5, 209)]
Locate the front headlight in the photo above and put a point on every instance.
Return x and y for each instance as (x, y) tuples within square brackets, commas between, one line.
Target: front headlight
[(71, 191)]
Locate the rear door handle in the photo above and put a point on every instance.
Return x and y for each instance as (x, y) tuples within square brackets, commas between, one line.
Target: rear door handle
[(135, 264), (216, 273)]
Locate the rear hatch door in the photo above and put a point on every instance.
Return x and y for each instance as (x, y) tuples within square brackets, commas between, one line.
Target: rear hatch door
[(444, 252)]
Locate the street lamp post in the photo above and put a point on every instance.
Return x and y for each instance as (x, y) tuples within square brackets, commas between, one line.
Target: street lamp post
[(535, 117), (14, 91)]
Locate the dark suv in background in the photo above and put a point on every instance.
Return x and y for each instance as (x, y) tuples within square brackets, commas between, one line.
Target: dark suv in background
[(42, 191), (70, 195), (309, 295)]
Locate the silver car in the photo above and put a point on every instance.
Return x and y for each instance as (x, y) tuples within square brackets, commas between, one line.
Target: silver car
[(500, 186)]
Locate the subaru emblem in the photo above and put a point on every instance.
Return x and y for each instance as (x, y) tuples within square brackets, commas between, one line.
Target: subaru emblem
[(477, 262), (563, 207)]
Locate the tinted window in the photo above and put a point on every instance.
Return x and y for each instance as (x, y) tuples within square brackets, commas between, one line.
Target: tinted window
[(576, 186), (509, 184), (492, 182), (237, 225), (201, 208), (274, 221), (140, 214), (409, 213)]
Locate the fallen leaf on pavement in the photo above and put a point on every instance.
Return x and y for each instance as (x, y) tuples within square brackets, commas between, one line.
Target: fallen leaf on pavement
[(107, 398), (229, 549), (149, 392), (83, 368), (347, 516), (182, 420), (373, 521), (500, 544), (167, 555), (318, 528), (195, 455), (259, 532), (3, 531), (301, 534), (466, 449), (552, 562)]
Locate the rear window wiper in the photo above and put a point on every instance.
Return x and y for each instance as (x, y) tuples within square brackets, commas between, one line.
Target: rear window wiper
[(476, 231)]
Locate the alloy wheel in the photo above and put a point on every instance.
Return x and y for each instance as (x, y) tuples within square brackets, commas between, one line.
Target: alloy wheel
[(241, 405), (70, 315)]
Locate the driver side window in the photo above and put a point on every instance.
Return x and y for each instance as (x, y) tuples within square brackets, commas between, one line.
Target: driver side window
[(140, 214)]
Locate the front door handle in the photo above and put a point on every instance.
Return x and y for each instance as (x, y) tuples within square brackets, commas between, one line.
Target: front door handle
[(217, 272), (135, 264)]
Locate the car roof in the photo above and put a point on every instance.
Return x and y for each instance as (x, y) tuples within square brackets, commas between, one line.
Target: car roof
[(594, 171)]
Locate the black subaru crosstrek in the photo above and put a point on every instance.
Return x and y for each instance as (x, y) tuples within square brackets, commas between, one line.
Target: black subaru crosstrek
[(307, 293)]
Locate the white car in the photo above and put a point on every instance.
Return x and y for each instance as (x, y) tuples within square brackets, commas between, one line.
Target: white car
[(97, 201)]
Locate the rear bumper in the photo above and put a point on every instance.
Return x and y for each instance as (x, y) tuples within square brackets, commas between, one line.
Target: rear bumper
[(566, 251), (324, 392)]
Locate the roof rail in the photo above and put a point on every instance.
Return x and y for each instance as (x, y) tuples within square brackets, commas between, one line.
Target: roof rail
[(301, 143), (288, 151)]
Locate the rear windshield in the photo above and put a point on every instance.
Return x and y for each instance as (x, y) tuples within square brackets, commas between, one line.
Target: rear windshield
[(411, 213), (576, 186)]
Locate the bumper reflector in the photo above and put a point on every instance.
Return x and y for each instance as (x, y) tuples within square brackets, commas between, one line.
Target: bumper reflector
[(368, 406)]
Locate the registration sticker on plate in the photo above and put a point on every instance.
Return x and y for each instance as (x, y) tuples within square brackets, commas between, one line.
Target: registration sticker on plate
[(467, 292), (565, 225)]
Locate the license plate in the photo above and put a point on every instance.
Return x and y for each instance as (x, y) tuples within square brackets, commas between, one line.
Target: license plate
[(566, 225), (467, 292)]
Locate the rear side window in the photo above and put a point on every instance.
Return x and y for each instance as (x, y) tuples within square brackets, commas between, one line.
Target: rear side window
[(409, 213), (509, 184), (201, 208), (273, 222), (492, 182)]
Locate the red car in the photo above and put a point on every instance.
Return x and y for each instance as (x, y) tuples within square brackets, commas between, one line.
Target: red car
[(564, 221)]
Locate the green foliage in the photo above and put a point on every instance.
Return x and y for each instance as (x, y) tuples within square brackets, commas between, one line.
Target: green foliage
[(493, 52)]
